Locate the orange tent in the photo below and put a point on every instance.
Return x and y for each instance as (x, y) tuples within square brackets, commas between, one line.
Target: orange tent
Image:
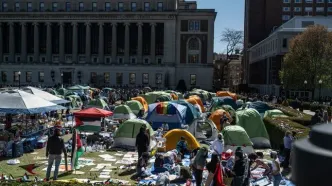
[(174, 96), (193, 102), (199, 101), (226, 93), (217, 115), (142, 101)]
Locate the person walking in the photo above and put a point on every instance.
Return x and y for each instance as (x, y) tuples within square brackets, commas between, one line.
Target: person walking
[(142, 141), (55, 147)]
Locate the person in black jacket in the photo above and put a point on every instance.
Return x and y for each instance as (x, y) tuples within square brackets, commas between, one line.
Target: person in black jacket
[(55, 147), (142, 141)]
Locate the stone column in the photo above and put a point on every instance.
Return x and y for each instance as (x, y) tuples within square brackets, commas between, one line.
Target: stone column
[(1, 44), (11, 42), (127, 43), (153, 43), (88, 42), (139, 43), (62, 42), (36, 41), (49, 42), (75, 51), (101, 43), (114, 44), (23, 42)]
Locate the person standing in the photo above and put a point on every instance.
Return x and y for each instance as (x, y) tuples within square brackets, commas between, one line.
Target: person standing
[(288, 140), (54, 148), (276, 171), (217, 145), (142, 141), (199, 163)]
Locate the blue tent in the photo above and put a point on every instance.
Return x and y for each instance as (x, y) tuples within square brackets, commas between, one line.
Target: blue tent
[(260, 106), (166, 112), (191, 114), (219, 101)]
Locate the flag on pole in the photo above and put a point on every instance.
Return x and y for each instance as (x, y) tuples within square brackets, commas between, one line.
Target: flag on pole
[(88, 124), (77, 151)]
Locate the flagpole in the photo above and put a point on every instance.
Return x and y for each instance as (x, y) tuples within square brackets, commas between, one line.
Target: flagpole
[(73, 149)]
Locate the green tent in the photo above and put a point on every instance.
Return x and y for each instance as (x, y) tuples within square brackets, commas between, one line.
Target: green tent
[(98, 103), (78, 87), (274, 113), (135, 106), (76, 102), (62, 91), (123, 112), (235, 135), (151, 97)]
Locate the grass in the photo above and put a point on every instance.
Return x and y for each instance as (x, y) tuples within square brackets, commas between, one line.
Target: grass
[(28, 158)]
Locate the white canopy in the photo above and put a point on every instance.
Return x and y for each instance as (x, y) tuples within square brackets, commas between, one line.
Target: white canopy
[(45, 95), (21, 102)]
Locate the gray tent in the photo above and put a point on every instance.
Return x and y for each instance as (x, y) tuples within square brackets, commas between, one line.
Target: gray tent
[(203, 130)]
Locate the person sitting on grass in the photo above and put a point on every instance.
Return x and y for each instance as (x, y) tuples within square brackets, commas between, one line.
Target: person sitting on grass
[(182, 147), (142, 165)]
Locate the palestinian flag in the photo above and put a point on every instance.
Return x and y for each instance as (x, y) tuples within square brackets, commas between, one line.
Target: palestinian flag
[(29, 168), (88, 124), (77, 150)]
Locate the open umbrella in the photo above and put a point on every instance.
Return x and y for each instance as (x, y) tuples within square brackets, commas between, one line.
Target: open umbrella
[(21, 102), (45, 95)]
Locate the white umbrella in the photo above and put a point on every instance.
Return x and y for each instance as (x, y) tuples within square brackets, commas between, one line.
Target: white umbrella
[(45, 95), (20, 102)]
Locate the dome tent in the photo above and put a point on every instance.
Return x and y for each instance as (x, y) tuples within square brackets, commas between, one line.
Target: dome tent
[(123, 112), (235, 136), (173, 136), (217, 115), (203, 130), (191, 113), (252, 122), (142, 101), (98, 103), (126, 134), (226, 93), (219, 101), (260, 106), (135, 106)]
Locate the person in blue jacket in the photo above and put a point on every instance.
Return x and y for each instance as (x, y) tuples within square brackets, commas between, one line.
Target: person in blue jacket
[(182, 147)]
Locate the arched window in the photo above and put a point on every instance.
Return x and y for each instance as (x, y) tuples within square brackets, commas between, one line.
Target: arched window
[(193, 50)]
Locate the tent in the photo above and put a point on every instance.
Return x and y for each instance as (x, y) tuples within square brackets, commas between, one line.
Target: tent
[(78, 87), (199, 101), (166, 112), (62, 91), (151, 97), (142, 101), (45, 95), (235, 136), (75, 101), (173, 137), (195, 104), (226, 93), (21, 102), (217, 115), (260, 106), (98, 103), (135, 106), (126, 134), (274, 113), (191, 113), (123, 112), (252, 122), (219, 101), (93, 112), (239, 103), (203, 130), (89, 120)]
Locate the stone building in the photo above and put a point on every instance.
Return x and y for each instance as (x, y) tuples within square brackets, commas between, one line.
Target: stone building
[(105, 42)]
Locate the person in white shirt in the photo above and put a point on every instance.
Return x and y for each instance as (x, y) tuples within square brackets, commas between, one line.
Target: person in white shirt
[(217, 145)]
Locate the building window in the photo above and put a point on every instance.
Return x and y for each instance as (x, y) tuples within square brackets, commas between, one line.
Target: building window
[(192, 79), (319, 1), (68, 7), (145, 78), (297, 9), (284, 43), (160, 7), (119, 78), (81, 6), (4, 76), (17, 7), (133, 6), (146, 61), (308, 1), (120, 7), (93, 77), (146, 7), (132, 78), (29, 7), (297, 1), (41, 7), (194, 25), (106, 77), (4, 7), (308, 9), (133, 60), (286, 1), (319, 9), (28, 77), (285, 17), (41, 77), (193, 48), (159, 78), (159, 61), (16, 76), (286, 9), (54, 7), (94, 6), (329, 9), (108, 7)]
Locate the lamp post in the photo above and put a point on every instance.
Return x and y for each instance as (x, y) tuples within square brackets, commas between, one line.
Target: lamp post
[(61, 80), (19, 79), (320, 88), (305, 87)]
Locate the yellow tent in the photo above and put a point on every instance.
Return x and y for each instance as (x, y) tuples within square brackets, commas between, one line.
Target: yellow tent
[(217, 115), (173, 137), (142, 101), (199, 101)]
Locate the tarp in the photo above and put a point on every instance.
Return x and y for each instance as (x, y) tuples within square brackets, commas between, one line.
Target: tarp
[(204, 130), (123, 112), (217, 115), (260, 106), (99, 103), (199, 101), (135, 106), (142, 101), (219, 101), (173, 137), (45, 95), (21, 102), (166, 112), (226, 93), (235, 136), (274, 113), (126, 134), (93, 112), (251, 121), (191, 113)]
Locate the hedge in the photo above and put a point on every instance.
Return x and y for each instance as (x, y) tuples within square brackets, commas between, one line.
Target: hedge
[(312, 106), (294, 115)]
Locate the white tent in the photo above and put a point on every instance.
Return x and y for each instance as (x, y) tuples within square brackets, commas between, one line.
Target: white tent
[(21, 102), (45, 95)]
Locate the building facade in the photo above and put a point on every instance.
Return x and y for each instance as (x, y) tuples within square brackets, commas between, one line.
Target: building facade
[(106, 43)]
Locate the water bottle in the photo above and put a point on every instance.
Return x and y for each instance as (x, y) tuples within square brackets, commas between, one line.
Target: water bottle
[(166, 127)]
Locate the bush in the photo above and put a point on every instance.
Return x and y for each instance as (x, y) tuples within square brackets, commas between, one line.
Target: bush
[(294, 115), (276, 127)]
